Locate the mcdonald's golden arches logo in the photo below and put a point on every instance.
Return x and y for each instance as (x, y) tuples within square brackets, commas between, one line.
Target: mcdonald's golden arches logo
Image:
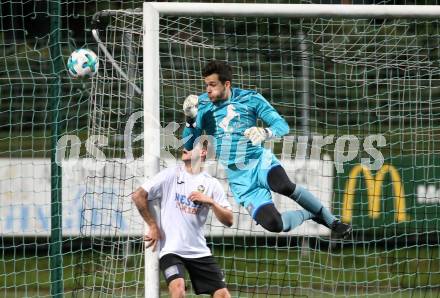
[(374, 191)]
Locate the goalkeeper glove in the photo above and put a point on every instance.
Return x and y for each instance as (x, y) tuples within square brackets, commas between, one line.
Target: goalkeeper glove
[(190, 109), (257, 135)]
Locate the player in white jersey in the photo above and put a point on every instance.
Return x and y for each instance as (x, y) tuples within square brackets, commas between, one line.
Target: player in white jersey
[(186, 194)]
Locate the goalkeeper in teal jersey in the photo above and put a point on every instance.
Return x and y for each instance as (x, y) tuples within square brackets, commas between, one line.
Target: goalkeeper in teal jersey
[(229, 115)]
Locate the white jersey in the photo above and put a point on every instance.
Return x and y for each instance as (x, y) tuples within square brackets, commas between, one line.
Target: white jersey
[(182, 220)]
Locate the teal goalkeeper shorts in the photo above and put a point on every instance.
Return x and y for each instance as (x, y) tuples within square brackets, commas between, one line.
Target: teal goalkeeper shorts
[(249, 185)]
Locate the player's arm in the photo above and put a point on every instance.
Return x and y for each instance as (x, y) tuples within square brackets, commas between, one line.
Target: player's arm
[(276, 125), (193, 121), (152, 190), (140, 199), (223, 214)]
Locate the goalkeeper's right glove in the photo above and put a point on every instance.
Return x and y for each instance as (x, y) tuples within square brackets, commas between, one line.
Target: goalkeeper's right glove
[(190, 109)]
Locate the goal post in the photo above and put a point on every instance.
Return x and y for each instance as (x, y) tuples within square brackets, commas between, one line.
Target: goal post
[(151, 141)]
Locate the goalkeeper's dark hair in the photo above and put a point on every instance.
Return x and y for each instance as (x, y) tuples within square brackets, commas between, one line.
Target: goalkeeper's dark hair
[(223, 69)]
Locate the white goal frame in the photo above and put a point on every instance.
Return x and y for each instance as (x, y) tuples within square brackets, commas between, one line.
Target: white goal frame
[(151, 88)]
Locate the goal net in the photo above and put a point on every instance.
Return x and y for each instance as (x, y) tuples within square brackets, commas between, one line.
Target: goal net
[(364, 88)]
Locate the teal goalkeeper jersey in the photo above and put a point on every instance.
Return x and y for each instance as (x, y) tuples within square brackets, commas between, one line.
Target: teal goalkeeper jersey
[(227, 120)]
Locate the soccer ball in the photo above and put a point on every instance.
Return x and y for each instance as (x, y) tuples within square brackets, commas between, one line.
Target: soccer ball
[(82, 63)]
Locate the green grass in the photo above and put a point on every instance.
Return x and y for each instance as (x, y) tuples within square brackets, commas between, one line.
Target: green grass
[(290, 272)]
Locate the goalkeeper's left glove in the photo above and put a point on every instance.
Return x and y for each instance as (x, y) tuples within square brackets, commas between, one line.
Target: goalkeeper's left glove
[(257, 135)]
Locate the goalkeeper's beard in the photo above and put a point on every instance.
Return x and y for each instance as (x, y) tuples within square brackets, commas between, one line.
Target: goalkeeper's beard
[(223, 96)]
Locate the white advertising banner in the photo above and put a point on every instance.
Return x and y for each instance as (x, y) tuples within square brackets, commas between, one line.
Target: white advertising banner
[(96, 197)]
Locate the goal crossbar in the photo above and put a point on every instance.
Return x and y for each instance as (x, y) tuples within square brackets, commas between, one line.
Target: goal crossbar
[(295, 10)]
